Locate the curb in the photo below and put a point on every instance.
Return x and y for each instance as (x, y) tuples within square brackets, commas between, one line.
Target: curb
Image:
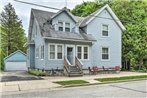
[(88, 84)]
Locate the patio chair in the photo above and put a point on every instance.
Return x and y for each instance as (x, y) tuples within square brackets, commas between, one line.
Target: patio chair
[(91, 71)]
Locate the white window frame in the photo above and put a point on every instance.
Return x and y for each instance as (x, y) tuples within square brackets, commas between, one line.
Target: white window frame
[(82, 52), (64, 22), (102, 30), (69, 26), (108, 53), (56, 51), (42, 52), (37, 52), (63, 25)]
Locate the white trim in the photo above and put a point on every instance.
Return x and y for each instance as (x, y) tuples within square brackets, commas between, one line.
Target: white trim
[(112, 14), (74, 54), (108, 53), (82, 51), (56, 53), (102, 30), (67, 39)]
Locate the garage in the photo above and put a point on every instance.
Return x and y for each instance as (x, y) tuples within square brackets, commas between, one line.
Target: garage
[(16, 61)]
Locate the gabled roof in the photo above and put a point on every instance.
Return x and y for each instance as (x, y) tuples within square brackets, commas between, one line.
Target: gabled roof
[(47, 31), (18, 51), (89, 18), (67, 12)]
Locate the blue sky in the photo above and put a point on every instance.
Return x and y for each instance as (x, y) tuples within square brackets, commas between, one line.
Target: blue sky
[(23, 10)]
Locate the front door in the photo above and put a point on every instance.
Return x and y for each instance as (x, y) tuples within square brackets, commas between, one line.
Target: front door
[(70, 55)]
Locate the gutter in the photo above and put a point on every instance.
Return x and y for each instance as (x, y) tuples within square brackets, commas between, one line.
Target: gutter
[(67, 39)]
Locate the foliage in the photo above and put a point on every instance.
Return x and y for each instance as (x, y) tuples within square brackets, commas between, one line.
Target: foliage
[(12, 33), (2, 55), (70, 82), (133, 15), (121, 78), (37, 72)]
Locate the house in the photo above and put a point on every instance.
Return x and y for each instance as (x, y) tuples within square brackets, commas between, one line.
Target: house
[(16, 61), (67, 42)]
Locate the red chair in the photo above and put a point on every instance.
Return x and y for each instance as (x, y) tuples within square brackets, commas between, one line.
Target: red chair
[(117, 68)]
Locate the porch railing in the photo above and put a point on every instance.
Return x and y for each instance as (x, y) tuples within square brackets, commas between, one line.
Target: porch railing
[(79, 64), (66, 65)]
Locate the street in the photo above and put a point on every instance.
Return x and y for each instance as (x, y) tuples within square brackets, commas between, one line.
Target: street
[(132, 89)]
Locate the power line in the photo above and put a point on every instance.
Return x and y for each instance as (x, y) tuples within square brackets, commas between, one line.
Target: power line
[(36, 5), (66, 5)]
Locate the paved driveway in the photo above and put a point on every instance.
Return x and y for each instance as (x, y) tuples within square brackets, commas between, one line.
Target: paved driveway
[(17, 76)]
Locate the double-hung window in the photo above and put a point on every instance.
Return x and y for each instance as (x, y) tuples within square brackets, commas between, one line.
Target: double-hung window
[(104, 30), (82, 52), (60, 27), (42, 52), (85, 52), (79, 52), (67, 27), (59, 52), (52, 52), (105, 53), (55, 52)]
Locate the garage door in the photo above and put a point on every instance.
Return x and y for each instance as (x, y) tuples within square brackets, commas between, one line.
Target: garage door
[(12, 66)]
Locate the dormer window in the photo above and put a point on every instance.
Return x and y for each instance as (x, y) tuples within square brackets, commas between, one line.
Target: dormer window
[(64, 26), (104, 30), (60, 26), (67, 27)]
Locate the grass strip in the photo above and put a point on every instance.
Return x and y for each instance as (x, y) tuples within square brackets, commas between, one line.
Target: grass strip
[(71, 82), (121, 78)]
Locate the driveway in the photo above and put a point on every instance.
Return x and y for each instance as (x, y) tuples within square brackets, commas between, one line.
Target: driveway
[(17, 76)]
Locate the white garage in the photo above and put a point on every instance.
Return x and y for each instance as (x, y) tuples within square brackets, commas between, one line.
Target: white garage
[(16, 61)]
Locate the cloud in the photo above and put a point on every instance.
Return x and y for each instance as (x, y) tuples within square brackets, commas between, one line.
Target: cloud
[(23, 10)]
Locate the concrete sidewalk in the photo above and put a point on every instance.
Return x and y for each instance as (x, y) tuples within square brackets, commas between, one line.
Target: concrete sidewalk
[(47, 83)]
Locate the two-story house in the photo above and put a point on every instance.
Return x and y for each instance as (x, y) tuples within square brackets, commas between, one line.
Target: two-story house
[(64, 41)]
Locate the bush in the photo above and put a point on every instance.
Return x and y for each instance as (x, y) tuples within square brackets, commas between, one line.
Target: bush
[(37, 72), (2, 56)]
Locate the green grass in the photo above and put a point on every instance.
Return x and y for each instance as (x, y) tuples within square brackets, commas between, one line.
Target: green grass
[(37, 72), (122, 78), (71, 82)]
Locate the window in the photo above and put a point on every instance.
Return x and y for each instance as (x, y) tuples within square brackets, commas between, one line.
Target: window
[(79, 52), (42, 52), (55, 51), (67, 27), (52, 52), (105, 30), (105, 53), (82, 52), (85, 52), (60, 26), (59, 52), (37, 52)]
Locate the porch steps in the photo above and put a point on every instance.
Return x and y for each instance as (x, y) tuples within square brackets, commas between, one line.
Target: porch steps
[(74, 72)]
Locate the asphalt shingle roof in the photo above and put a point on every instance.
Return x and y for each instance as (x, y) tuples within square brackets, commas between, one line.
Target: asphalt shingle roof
[(43, 18)]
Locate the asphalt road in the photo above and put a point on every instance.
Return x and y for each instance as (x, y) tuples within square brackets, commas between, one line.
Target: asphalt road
[(133, 89)]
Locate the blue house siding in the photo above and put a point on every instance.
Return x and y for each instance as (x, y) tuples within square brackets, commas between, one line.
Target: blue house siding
[(46, 32), (49, 64), (113, 41)]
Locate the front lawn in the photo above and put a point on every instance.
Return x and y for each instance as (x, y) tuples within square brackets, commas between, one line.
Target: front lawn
[(71, 82), (121, 78)]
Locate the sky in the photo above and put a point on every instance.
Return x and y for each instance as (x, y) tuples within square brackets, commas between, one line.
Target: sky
[(23, 10)]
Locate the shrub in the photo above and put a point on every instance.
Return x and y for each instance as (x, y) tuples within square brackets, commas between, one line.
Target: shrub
[(37, 72)]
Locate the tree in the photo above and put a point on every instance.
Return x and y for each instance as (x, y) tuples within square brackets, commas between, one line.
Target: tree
[(12, 33), (134, 17)]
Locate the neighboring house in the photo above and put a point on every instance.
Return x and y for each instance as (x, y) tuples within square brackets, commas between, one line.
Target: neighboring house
[(57, 40), (16, 61)]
